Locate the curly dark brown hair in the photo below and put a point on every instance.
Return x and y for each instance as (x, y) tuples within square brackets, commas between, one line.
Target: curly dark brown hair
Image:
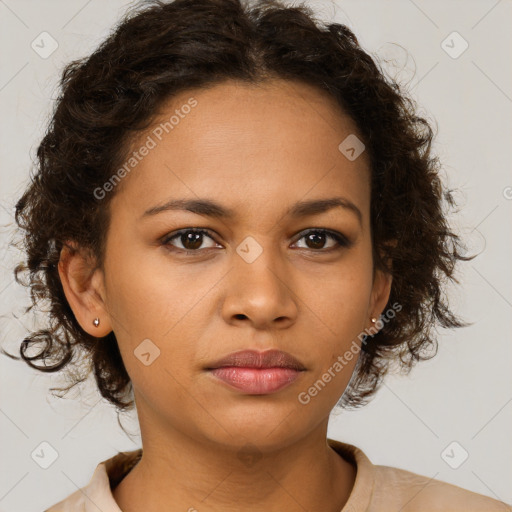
[(159, 49)]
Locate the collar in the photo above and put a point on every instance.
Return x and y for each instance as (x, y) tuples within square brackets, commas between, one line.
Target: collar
[(97, 495)]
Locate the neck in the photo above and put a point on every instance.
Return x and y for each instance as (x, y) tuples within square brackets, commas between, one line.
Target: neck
[(178, 473)]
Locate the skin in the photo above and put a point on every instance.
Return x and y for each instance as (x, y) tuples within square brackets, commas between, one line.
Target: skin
[(257, 150)]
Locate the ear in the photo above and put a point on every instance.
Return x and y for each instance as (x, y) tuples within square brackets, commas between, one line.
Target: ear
[(380, 294), (381, 290), (84, 289)]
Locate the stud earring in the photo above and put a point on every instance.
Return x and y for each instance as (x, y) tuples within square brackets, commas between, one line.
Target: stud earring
[(373, 320), (96, 322)]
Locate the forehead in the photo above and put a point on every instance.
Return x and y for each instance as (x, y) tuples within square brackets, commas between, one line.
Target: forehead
[(248, 142)]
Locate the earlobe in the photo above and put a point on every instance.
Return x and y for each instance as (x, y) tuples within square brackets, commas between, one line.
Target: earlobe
[(83, 287)]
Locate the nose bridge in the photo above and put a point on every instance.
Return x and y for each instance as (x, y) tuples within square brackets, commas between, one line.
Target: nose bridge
[(259, 287), (259, 264)]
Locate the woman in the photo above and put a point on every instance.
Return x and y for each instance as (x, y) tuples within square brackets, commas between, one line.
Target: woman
[(238, 218)]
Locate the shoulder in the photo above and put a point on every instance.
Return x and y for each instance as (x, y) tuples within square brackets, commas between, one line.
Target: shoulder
[(387, 489), (75, 502), (97, 494), (411, 492)]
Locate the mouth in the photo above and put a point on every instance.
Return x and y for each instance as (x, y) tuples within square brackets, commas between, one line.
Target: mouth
[(257, 373)]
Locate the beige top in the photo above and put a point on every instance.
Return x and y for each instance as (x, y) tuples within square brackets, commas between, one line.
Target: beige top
[(376, 488)]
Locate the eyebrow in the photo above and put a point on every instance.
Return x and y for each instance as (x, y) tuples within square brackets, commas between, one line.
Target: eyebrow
[(212, 209)]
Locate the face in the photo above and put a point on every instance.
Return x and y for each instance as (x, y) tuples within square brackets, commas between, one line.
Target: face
[(273, 274)]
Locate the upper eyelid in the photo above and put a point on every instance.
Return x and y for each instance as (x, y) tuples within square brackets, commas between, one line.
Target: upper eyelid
[(174, 234), (301, 234)]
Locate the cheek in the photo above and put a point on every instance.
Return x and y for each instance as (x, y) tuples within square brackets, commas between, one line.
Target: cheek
[(339, 310), (142, 291), (154, 310), (343, 296)]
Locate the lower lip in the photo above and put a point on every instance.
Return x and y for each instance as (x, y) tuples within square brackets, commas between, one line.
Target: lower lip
[(256, 381)]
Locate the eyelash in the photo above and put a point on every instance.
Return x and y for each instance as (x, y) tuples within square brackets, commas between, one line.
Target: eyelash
[(341, 240)]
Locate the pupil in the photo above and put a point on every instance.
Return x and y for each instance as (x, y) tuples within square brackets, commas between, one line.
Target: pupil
[(189, 238), (320, 237)]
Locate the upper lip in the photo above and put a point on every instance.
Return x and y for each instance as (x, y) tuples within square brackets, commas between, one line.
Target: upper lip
[(255, 359)]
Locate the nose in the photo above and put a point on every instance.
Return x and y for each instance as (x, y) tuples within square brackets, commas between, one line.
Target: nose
[(260, 292)]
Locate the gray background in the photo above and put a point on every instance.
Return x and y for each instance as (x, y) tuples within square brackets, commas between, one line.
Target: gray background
[(464, 394)]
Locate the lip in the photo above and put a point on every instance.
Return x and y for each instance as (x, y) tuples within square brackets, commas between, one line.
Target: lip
[(254, 359), (257, 373)]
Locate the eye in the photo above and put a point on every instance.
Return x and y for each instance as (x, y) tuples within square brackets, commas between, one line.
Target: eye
[(316, 238), (191, 239)]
